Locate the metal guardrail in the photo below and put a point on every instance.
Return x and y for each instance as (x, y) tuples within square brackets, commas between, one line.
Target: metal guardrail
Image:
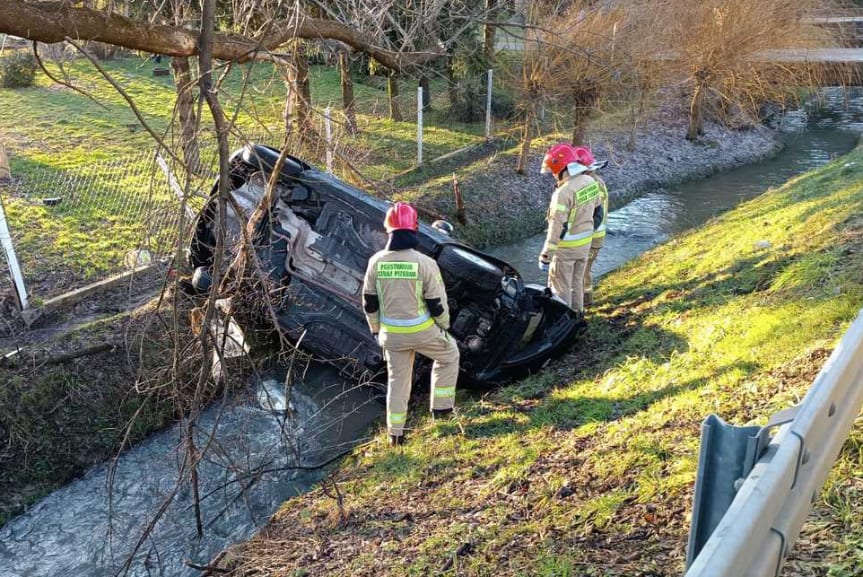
[(763, 521)]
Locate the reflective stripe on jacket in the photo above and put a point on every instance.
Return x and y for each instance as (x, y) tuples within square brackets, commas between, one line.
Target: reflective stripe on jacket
[(599, 233), (403, 280), (570, 214)]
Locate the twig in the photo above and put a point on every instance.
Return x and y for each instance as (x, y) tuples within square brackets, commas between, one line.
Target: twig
[(212, 567), (128, 100), (61, 82)]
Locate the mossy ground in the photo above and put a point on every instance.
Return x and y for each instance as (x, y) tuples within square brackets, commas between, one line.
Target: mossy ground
[(588, 467)]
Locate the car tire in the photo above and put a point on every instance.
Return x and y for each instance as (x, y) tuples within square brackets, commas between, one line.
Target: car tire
[(467, 266)]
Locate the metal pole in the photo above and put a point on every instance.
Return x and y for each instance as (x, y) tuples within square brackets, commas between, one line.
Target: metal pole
[(419, 125), (12, 259), (488, 107), (328, 130)]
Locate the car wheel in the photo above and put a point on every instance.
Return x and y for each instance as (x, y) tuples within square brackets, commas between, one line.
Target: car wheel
[(466, 265)]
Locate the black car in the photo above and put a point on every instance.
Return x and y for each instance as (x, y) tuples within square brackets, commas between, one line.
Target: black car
[(317, 240)]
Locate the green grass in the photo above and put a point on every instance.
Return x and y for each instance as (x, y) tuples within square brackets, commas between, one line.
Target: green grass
[(55, 126), (588, 468), (62, 418), (95, 154)]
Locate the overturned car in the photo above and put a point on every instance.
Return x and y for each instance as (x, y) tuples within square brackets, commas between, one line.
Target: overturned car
[(316, 241)]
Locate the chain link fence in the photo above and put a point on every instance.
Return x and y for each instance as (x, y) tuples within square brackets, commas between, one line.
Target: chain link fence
[(75, 225), (71, 227)]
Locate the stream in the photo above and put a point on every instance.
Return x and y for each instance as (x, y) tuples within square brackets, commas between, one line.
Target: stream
[(256, 454)]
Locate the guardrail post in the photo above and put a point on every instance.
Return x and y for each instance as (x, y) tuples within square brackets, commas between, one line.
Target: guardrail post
[(721, 466)]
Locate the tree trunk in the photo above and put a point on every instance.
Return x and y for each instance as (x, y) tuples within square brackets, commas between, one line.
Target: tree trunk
[(424, 84), (586, 99), (490, 29), (393, 93), (526, 139), (452, 84), (186, 111), (297, 113), (347, 93), (696, 111)]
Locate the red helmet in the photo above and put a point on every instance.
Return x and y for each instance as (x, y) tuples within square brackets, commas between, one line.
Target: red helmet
[(557, 158), (401, 216), (584, 156)]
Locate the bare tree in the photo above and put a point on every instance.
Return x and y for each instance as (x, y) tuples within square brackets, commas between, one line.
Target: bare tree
[(722, 48)]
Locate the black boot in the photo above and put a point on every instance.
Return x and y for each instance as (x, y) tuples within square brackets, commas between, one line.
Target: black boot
[(441, 414), (396, 440)]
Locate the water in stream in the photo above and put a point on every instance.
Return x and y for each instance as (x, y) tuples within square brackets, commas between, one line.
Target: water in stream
[(246, 474), (78, 532)]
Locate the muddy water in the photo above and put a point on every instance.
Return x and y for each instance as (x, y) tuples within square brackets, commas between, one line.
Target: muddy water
[(85, 530), (812, 138)]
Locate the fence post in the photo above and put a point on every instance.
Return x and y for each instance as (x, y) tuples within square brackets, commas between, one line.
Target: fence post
[(419, 126), (12, 259), (328, 130), (5, 172), (488, 107)]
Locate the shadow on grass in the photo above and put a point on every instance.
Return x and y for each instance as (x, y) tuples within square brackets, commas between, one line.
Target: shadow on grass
[(565, 413)]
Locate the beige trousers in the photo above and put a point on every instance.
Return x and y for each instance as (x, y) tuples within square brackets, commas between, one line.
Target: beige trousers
[(399, 351), (588, 279), (566, 275)]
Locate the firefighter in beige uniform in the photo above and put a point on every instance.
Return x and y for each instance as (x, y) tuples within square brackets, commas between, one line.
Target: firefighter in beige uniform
[(570, 224), (405, 303), (586, 156)]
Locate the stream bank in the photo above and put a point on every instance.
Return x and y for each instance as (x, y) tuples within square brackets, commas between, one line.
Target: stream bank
[(587, 468), (503, 206)]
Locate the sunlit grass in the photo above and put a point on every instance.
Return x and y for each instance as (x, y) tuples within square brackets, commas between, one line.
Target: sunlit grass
[(588, 467)]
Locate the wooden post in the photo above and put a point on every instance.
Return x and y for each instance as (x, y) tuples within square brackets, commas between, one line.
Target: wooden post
[(5, 172), (328, 130)]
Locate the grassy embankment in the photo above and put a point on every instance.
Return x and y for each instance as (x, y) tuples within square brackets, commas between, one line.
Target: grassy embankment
[(588, 467), (59, 417)]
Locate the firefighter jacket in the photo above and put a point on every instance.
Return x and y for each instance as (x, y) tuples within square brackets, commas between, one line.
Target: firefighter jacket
[(408, 290), (598, 240), (570, 214)]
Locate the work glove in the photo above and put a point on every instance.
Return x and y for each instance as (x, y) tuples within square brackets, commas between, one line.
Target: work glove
[(543, 262)]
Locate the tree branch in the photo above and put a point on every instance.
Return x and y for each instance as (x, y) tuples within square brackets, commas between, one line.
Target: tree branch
[(55, 21)]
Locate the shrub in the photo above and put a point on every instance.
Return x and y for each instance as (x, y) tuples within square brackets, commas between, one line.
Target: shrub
[(18, 70)]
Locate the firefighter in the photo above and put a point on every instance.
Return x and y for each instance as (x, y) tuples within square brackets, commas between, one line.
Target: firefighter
[(570, 223), (599, 218), (405, 303)]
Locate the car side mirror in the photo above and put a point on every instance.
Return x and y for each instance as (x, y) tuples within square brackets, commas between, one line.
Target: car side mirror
[(443, 227)]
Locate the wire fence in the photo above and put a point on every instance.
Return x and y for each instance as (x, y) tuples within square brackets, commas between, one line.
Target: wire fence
[(71, 227), (75, 225)]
